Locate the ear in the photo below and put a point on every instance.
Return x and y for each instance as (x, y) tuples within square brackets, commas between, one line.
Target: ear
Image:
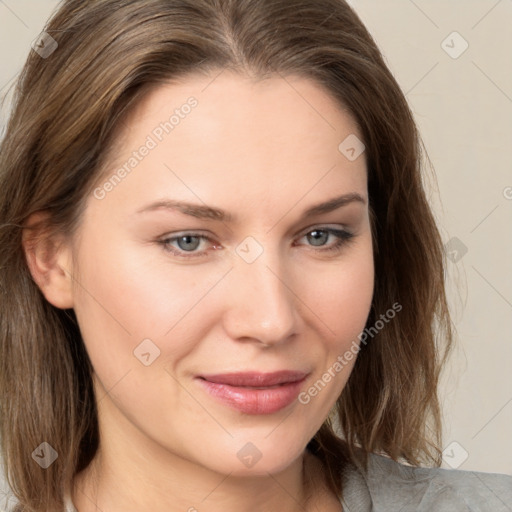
[(49, 261)]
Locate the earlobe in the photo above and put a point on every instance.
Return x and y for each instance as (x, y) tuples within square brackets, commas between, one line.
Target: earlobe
[(49, 261)]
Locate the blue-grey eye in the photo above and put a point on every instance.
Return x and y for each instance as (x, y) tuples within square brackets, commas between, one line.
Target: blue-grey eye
[(318, 237), (190, 242)]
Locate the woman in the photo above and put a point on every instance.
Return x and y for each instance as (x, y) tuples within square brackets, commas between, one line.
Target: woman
[(289, 358)]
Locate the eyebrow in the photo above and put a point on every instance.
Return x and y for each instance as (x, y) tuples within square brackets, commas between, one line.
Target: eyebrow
[(212, 213)]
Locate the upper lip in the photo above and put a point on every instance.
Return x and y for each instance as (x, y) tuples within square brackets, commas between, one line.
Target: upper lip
[(256, 379)]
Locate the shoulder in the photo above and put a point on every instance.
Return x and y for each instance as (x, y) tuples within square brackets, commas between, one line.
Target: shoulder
[(389, 485)]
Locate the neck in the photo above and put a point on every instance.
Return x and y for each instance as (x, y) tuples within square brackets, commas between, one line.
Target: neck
[(182, 486), (124, 479)]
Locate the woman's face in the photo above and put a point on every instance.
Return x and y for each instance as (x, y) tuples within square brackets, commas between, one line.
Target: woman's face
[(261, 290)]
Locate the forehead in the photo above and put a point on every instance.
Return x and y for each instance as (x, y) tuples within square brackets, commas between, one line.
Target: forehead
[(262, 140)]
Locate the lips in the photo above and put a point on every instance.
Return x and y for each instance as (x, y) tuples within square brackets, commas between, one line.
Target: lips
[(254, 392), (256, 379)]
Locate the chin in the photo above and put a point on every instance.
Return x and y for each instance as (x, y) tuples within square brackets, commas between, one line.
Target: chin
[(259, 458)]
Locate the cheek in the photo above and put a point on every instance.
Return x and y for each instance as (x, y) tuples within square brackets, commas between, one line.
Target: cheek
[(341, 302), (126, 295), (340, 296)]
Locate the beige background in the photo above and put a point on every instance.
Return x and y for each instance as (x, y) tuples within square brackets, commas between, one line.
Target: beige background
[(463, 106)]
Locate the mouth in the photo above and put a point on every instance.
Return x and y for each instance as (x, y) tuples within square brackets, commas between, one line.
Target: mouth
[(256, 379), (254, 392)]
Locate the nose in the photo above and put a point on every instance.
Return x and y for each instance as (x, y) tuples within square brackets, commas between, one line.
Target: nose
[(260, 302)]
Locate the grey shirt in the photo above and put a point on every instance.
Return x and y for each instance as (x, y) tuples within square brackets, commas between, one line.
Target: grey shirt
[(389, 486)]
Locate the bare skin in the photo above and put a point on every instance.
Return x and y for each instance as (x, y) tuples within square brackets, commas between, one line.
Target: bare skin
[(264, 152)]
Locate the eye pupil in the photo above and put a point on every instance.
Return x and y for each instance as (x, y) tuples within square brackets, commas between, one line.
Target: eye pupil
[(315, 238), (187, 239)]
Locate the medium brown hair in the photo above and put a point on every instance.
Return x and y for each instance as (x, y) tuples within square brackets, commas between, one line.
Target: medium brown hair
[(65, 113)]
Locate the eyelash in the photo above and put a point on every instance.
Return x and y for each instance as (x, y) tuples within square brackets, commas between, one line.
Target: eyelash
[(344, 238)]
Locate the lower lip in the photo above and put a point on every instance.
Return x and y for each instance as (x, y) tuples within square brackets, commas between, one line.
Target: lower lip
[(254, 401)]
